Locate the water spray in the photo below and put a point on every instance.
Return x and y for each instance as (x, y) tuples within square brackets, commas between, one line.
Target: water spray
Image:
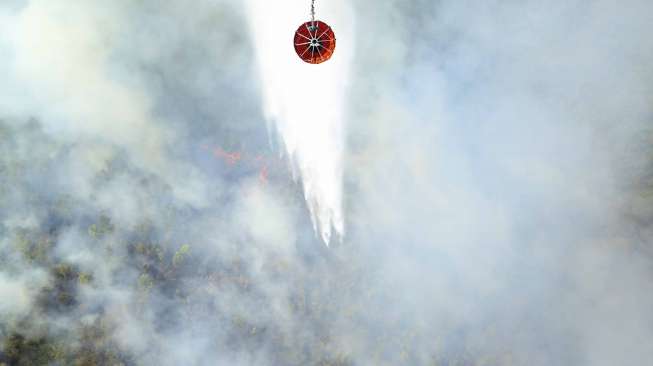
[(312, 140)]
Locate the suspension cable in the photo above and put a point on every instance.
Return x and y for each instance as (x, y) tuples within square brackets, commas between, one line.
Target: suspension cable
[(312, 11)]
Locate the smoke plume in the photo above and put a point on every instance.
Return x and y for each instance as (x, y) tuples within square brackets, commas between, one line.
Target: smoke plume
[(495, 183)]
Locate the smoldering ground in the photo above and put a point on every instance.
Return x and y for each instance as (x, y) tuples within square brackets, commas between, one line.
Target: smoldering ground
[(497, 190)]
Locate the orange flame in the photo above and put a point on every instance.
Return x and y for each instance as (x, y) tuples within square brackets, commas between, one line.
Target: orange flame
[(229, 158), (260, 162)]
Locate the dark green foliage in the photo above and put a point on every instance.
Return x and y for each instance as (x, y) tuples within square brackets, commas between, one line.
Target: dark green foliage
[(179, 257), (84, 345), (34, 248), (60, 294), (102, 228), (21, 351), (97, 348)]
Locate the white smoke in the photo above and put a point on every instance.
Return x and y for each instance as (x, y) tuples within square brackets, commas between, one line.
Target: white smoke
[(306, 102)]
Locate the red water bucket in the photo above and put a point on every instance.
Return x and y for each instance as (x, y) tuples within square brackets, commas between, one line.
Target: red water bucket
[(315, 42)]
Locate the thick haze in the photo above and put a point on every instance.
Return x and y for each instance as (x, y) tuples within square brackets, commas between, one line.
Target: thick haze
[(494, 162)]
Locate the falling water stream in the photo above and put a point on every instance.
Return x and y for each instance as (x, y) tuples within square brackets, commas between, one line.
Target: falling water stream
[(305, 104)]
